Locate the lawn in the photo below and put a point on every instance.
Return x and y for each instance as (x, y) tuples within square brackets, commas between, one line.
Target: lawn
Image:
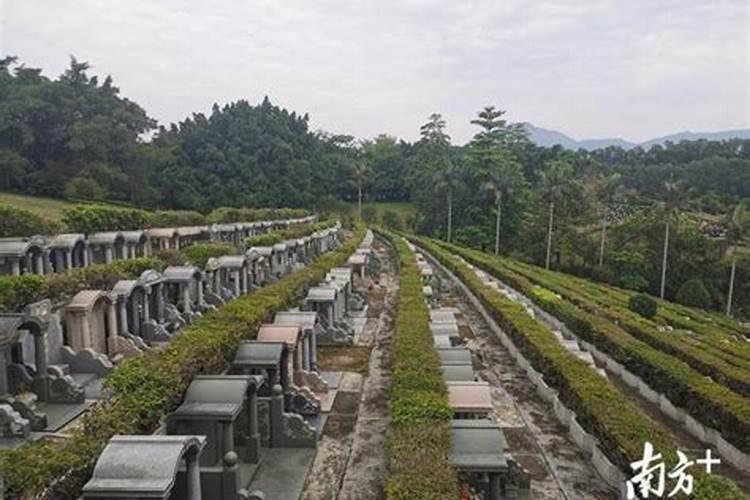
[(46, 207)]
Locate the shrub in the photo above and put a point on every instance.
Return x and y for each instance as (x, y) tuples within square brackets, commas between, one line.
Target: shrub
[(171, 257), (369, 214), (19, 222), (94, 218), (644, 305), (292, 232), (694, 293), (244, 214), (169, 218), (199, 253), (16, 292), (392, 220), (84, 188)]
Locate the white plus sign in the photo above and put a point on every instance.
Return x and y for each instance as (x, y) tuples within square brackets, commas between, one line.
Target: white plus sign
[(709, 461)]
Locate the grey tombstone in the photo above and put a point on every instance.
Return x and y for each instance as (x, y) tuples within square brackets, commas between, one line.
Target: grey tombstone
[(68, 251), (137, 467), (136, 244), (478, 450), (23, 256), (106, 247), (458, 373), (216, 406), (454, 356)]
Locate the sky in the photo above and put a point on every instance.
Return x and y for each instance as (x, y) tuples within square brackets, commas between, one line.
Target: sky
[(635, 69)]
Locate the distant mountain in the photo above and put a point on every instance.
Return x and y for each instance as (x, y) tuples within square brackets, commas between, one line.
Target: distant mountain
[(548, 138)]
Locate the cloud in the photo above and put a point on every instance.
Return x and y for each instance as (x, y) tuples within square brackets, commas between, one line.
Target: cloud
[(589, 68)]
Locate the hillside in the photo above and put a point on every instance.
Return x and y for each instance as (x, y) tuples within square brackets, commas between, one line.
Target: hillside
[(547, 138), (46, 207)]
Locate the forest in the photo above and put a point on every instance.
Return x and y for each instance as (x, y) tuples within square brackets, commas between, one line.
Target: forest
[(670, 220)]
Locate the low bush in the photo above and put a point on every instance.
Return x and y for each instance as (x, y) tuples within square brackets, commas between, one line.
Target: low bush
[(711, 401), (171, 257), (601, 409), (95, 218), (643, 304), (145, 388), (694, 293), (199, 253), (16, 292), (292, 232), (176, 218), (244, 214), (419, 438), (19, 222), (370, 214), (392, 220), (709, 344)]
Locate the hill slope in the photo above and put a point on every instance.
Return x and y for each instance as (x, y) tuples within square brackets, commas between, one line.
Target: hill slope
[(548, 137)]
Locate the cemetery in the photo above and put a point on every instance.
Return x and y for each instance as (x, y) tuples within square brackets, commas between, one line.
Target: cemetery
[(253, 403), (267, 407)]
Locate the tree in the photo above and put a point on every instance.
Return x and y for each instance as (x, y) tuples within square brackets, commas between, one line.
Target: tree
[(676, 195), (556, 181), (360, 174), (609, 191), (447, 180), (493, 161), (433, 132), (502, 183), (738, 228)]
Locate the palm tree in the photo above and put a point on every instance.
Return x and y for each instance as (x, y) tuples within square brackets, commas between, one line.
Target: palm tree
[(360, 173), (610, 190), (676, 195), (738, 228), (447, 180), (501, 184), (494, 188), (555, 181)]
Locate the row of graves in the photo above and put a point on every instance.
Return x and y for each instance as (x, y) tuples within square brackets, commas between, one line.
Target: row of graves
[(58, 253), (54, 356), (477, 441), (249, 433)]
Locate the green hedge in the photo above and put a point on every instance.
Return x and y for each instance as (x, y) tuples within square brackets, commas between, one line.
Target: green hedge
[(176, 218), (18, 222), (199, 253), (232, 214), (419, 438), (94, 218), (723, 356), (290, 233), (146, 387), (707, 401), (16, 292), (721, 336), (619, 425)]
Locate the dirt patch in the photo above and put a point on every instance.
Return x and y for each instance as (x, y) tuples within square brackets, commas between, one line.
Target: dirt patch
[(344, 358)]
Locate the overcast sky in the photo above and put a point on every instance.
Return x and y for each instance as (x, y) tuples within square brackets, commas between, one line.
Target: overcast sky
[(589, 68)]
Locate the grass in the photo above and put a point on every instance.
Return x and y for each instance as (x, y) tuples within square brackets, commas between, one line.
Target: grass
[(46, 207)]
